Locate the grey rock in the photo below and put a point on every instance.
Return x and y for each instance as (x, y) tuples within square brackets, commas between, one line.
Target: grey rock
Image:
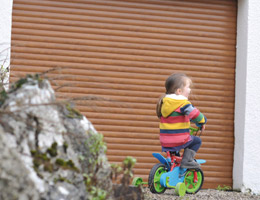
[(47, 149)]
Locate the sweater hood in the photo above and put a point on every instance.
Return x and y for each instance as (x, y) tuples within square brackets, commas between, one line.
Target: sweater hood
[(172, 102)]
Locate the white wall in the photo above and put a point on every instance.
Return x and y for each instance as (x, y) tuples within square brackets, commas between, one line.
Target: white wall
[(5, 32), (246, 169), (240, 91)]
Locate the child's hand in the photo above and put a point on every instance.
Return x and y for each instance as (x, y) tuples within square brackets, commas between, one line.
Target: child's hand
[(203, 127)]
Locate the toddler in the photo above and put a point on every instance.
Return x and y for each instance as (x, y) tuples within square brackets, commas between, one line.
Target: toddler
[(175, 113)]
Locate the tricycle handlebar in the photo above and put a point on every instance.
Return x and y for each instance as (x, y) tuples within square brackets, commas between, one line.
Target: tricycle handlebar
[(194, 129)]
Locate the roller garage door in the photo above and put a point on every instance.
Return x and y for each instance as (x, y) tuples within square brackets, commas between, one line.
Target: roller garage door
[(122, 52)]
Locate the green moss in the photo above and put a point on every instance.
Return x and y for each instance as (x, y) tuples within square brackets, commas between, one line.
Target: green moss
[(18, 84), (3, 96), (38, 174), (69, 165), (48, 167), (37, 77), (65, 146), (33, 152), (40, 156), (61, 179), (36, 163), (60, 162), (41, 159), (45, 157), (224, 188), (53, 150), (72, 112)]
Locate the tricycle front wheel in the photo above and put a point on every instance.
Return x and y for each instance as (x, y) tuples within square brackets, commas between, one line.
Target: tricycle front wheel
[(193, 184), (154, 178)]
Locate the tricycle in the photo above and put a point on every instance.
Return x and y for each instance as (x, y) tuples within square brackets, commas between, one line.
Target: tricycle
[(168, 175)]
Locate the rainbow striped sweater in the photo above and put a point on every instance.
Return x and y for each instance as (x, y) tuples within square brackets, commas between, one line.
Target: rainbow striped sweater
[(177, 112)]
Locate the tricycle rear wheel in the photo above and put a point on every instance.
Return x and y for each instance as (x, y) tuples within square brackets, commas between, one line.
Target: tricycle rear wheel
[(154, 178)]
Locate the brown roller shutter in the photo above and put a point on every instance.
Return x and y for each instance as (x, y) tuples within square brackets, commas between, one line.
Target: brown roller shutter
[(123, 51)]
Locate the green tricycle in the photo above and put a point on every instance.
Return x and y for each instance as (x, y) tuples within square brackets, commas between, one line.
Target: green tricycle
[(168, 175)]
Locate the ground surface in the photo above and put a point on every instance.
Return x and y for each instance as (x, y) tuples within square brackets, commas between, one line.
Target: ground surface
[(203, 194)]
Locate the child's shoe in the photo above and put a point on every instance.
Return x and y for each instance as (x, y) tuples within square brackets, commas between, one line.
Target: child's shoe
[(188, 160)]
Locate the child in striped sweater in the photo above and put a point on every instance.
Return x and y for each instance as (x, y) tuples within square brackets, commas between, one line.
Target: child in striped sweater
[(175, 113)]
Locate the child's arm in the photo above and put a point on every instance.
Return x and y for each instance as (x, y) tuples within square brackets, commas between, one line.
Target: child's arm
[(194, 115), (203, 127)]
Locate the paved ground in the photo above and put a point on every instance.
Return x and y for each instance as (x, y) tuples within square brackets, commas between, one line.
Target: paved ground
[(208, 194)]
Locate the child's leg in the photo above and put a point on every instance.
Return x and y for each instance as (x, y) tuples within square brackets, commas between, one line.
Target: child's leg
[(189, 154), (195, 144)]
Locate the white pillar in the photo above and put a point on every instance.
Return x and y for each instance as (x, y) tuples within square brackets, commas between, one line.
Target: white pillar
[(246, 169), (5, 35)]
